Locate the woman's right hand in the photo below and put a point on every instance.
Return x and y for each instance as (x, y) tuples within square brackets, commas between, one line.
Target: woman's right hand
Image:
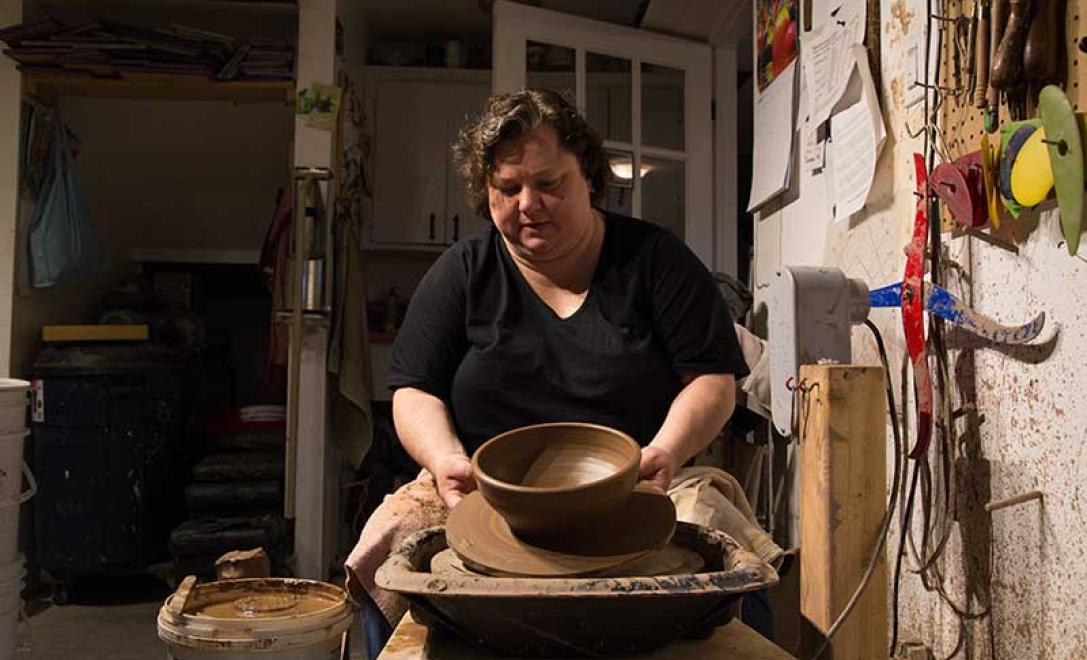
[(453, 474)]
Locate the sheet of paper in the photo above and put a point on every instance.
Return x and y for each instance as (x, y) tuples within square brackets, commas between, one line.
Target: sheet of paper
[(849, 12), (856, 139), (773, 139), (814, 149), (826, 55)]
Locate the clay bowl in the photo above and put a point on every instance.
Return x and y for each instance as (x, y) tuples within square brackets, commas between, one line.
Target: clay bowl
[(555, 479)]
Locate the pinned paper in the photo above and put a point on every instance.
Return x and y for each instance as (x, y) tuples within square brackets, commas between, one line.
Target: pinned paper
[(826, 54), (857, 135), (320, 105), (814, 149), (773, 140)]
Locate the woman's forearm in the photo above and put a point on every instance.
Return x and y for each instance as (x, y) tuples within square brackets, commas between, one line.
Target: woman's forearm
[(425, 428), (697, 415)]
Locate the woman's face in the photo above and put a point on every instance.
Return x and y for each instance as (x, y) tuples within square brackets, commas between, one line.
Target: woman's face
[(538, 197)]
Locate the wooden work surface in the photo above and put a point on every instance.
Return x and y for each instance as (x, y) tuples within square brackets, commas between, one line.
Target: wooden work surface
[(411, 641)]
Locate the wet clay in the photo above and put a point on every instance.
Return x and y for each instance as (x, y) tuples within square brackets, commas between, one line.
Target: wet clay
[(484, 541), (549, 478), (259, 599), (669, 560)]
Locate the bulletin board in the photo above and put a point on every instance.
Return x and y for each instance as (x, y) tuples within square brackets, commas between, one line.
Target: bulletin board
[(962, 123)]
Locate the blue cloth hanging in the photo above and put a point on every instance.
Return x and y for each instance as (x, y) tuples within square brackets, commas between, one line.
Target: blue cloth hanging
[(61, 237)]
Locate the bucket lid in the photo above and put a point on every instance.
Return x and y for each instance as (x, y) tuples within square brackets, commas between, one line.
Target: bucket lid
[(261, 598), (243, 613)]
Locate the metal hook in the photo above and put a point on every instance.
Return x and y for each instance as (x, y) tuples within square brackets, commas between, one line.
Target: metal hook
[(1061, 244)]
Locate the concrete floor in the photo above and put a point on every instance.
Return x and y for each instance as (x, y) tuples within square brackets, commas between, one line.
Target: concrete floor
[(107, 621), (120, 632)]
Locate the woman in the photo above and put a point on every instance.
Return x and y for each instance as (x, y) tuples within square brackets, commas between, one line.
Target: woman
[(559, 312)]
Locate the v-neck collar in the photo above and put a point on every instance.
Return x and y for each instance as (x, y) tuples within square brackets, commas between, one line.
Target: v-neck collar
[(524, 283)]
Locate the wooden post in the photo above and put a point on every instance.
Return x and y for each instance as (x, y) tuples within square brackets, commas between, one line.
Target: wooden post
[(843, 495)]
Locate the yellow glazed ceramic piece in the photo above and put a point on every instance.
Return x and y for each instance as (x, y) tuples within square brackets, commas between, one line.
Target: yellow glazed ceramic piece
[(1032, 176)]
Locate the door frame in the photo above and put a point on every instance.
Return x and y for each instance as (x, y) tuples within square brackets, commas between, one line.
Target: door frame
[(516, 24)]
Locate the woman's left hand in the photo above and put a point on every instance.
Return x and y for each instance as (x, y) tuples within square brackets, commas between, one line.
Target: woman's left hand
[(658, 466)]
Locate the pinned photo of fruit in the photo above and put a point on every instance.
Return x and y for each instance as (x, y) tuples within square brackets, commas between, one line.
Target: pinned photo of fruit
[(776, 38)]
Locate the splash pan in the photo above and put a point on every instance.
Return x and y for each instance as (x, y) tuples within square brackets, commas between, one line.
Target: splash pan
[(580, 616)]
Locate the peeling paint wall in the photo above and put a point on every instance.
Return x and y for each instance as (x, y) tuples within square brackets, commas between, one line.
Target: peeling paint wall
[(1027, 562)]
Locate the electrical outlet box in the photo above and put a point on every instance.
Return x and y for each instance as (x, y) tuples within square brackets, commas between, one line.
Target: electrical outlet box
[(811, 311)]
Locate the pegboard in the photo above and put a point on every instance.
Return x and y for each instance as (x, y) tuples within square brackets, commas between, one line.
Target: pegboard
[(961, 122)]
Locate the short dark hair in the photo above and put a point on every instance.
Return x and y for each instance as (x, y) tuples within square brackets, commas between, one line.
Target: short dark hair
[(507, 116)]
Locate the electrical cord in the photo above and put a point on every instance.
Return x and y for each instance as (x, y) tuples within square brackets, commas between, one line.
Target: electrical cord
[(885, 524)]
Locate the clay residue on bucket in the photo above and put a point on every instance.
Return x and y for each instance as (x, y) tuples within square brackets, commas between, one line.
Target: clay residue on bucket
[(261, 599)]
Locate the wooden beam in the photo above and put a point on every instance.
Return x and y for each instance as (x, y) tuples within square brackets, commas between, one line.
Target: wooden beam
[(843, 486), (413, 641)]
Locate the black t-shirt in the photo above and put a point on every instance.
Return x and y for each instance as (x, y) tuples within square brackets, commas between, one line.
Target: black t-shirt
[(477, 336)]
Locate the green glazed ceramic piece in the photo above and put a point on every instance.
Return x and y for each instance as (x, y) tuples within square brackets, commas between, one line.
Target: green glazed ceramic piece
[(1066, 158)]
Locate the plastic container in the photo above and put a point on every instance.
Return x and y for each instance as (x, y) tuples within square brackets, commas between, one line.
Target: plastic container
[(11, 586), (255, 619), (13, 405), (11, 464)]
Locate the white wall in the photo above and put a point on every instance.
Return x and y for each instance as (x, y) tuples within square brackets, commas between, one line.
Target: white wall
[(1026, 560), (192, 176), (10, 14)]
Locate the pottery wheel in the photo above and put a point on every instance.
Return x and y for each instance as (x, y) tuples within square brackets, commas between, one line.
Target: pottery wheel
[(669, 560), (482, 539)]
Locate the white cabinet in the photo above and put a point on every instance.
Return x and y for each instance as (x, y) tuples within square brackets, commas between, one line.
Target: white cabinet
[(418, 197)]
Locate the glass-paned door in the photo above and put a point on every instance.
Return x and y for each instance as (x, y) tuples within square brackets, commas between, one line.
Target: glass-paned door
[(648, 95)]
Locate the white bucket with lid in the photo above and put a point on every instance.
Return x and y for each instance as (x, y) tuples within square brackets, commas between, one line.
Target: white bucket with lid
[(261, 618), (11, 586), (11, 464), (12, 472), (13, 393)]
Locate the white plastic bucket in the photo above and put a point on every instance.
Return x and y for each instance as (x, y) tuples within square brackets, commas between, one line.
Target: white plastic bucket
[(255, 619), (9, 516), (11, 463), (11, 586), (13, 405)]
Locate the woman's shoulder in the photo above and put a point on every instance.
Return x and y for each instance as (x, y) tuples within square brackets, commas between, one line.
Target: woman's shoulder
[(467, 259), (634, 238)]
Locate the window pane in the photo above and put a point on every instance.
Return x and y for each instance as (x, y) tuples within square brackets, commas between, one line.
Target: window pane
[(663, 193), (662, 107), (550, 67), (607, 95), (617, 197)]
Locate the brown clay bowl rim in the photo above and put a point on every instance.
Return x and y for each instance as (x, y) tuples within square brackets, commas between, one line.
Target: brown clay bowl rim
[(480, 475)]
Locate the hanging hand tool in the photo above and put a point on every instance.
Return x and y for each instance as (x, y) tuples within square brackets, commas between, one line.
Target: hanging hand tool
[(913, 324), (941, 302), (1025, 176), (1042, 50), (997, 17), (981, 55), (989, 158), (1062, 136), (1008, 61), (971, 51), (961, 186)]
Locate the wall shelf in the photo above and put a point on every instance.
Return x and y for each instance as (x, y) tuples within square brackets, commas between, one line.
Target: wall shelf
[(185, 256), (47, 86)]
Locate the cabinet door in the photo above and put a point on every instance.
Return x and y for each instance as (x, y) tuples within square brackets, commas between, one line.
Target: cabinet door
[(409, 162), (465, 101)]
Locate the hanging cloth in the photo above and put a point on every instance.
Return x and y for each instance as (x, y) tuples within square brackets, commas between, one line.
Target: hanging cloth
[(61, 237)]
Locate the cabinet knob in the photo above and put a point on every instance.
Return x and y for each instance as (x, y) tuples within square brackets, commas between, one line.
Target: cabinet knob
[(432, 226), (456, 228)]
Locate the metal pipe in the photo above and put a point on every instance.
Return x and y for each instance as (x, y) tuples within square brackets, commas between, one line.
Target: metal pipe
[(307, 177)]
